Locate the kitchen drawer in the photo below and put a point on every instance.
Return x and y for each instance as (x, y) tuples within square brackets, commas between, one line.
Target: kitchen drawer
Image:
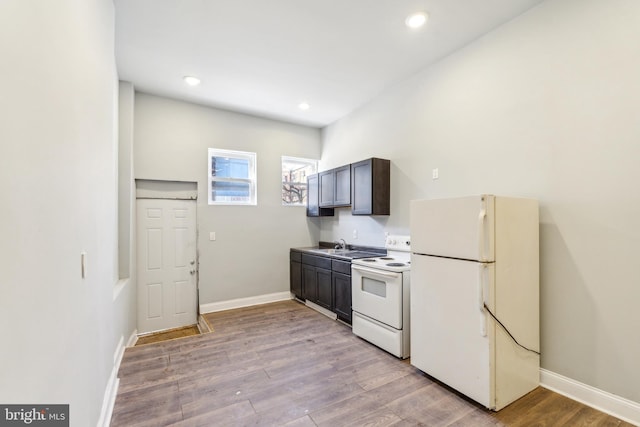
[(317, 261), (295, 256), (341, 266)]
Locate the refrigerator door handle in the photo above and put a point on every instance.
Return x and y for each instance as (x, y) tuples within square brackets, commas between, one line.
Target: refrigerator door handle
[(483, 317), (481, 243)]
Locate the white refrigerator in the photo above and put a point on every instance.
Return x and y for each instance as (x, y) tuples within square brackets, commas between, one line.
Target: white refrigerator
[(474, 260)]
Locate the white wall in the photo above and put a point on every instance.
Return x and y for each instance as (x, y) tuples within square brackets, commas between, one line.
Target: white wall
[(126, 199), (545, 107), (250, 256), (58, 155)]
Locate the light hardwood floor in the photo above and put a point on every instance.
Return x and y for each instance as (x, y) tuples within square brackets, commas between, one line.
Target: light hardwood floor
[(283, 364)]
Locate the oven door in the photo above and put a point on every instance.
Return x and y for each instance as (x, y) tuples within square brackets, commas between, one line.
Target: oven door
[(377, 294)]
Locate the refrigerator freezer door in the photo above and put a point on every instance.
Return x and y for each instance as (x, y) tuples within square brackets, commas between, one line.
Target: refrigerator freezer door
[(451, 337), (456, 228)]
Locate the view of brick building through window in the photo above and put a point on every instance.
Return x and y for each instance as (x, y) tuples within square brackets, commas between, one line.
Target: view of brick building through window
[(294, 179)]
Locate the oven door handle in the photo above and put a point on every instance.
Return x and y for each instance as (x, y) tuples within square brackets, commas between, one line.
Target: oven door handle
[(376, 272)]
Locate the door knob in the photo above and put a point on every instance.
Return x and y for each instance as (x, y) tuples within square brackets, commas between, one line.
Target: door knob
[(192, 262)]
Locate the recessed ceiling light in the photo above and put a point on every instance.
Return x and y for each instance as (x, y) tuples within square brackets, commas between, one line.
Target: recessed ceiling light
[(304, 106), (191, 81), (416, 20)]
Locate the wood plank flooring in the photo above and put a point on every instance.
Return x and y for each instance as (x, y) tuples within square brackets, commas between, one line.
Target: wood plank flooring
[(284, 364)]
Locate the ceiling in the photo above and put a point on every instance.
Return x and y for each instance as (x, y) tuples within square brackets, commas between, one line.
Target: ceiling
[(265, 57)]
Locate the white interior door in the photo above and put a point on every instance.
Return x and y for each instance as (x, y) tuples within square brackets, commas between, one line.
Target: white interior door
[(166, 264), (450, 337)]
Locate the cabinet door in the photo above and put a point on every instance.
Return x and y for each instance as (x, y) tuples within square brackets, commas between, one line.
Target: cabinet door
[(370, 187), (309, 283), (326, 188), (342, 186), (361, 188), (323, 278), (313, 198), (295, 278), (342, 296), (312, 195)]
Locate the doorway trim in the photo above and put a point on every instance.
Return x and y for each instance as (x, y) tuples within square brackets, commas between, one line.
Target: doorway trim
[(167, 190)]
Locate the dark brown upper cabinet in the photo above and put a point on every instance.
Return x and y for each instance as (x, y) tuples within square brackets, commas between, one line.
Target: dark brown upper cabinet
[(335, 187), (326, 181), (313, 198), (370, 187), (342, 186)]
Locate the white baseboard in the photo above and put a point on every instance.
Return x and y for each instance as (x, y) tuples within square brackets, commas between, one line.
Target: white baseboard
[(133, 339), (109, 399), (611, 404), (244, 302), (111, 390)]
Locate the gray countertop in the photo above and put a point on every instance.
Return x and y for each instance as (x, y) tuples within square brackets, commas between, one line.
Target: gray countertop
[(352, 252)]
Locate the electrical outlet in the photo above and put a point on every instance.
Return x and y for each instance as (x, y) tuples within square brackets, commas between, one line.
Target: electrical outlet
[(355, 234), (434, 173)]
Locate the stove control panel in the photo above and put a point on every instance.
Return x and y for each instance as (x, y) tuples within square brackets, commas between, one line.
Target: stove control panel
[(398, 243)]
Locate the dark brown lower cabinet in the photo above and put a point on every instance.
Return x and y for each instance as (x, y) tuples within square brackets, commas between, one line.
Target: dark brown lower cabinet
[(323, 278), (323, 281), (295, 273), (316, 280), (309, 283), (342, 296), (316, 285), (295, 278)]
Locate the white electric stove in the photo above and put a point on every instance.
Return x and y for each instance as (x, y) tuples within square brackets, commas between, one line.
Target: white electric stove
[(398, 256), (380, 297)]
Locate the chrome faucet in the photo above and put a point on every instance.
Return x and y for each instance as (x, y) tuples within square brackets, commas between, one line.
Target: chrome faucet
[(341, 244)]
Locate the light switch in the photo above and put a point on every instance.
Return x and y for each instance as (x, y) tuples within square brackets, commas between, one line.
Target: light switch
[(434, 173), (212, 236)]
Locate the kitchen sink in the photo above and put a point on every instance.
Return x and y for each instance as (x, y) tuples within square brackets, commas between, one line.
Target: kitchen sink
[(321, 250), (347, 253), (330, 251)]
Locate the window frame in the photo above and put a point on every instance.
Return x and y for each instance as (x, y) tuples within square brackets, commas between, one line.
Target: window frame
[(252, 179), (313, 162)]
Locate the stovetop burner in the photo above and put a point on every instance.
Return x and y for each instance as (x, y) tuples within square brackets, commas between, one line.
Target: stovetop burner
[(395, 260)]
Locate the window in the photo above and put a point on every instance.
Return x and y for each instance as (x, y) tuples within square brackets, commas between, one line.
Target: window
[(232, 177), (294, 179)]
